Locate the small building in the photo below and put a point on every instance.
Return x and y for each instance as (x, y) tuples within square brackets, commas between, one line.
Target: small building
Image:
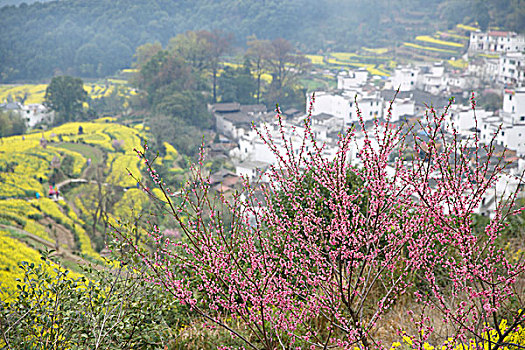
[(511, 69), (251, 169), (32, 114), (234, 119), (352, 79), (405, 78)]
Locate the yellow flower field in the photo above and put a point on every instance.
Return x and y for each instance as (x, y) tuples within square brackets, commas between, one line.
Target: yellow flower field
[(377, 51), (467, 28), (12, 252), (452, 35), (428, 48), (35, 93), (315, 59), (429, 39), (461, 64)]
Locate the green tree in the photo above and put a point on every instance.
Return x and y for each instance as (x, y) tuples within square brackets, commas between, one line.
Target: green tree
[(285, 65), (11, 124), (237, 85), (257, 52), (145, 52), (203, 50), (65, 95)]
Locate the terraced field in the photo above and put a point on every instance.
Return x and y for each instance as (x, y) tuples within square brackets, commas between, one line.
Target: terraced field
[(448, 46), (34, 93), (29, 220)]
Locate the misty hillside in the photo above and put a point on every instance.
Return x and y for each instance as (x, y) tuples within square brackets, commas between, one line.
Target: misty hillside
[(19, 2), (43, 39)]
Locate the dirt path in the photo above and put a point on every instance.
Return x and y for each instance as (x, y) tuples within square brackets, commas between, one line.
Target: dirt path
[(60, 252), (61, 234)]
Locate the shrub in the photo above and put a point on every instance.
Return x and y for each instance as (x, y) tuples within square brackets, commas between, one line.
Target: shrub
[(106, 309)]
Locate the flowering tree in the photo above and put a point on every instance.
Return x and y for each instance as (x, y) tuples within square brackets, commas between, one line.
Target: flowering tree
[(319, 266)]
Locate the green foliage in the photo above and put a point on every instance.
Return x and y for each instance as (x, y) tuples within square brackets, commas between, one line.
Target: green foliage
[(490, 101), (11, 124), (237, 85), (65, 95), (109, 308), (185, 137)]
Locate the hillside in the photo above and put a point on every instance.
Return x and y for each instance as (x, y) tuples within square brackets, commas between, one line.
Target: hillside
[(88, 164), (71, 38), (19, 2)]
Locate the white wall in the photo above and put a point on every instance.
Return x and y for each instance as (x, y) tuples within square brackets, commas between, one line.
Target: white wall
[(514, 102), (405, 79)]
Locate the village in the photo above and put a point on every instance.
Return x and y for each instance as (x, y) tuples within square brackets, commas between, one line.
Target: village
[(496, 63)]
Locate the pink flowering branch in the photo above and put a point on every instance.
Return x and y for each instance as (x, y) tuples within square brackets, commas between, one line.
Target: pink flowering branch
[(319, 255)]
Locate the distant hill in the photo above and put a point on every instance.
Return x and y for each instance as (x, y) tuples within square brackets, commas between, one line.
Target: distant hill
[(18, 2), (98, 37)]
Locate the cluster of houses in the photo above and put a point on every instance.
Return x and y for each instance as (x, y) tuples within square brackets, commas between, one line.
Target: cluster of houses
[(496, 61)]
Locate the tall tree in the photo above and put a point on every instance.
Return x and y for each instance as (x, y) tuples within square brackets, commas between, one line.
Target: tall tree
[(145, 52), (285, 64), (218, 44), (65, 95), (257, 52), (237, 85), (192, 47), (203, 50)]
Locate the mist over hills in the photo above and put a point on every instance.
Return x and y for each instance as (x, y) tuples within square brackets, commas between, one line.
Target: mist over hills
[(19, 2), (96, 38)]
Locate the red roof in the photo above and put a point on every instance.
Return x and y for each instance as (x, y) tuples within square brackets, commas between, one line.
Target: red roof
[(497, 33)]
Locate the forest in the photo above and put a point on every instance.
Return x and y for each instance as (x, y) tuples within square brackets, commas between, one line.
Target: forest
[(41, 40)]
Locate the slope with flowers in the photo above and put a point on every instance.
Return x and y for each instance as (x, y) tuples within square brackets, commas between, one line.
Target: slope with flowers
[(89, 164)]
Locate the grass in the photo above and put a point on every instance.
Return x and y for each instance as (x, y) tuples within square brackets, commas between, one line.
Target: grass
[(86, 150)]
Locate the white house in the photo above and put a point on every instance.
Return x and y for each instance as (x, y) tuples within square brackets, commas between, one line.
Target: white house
[(343, 106), (514, 104), (401, 107), (405, 78), (252, 169), (513, 137), (36, 113), (496, 42), (352, 79), (234, 119), (336, 104), (464, 119), (32, 114), (434, 80), (511, 69)]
